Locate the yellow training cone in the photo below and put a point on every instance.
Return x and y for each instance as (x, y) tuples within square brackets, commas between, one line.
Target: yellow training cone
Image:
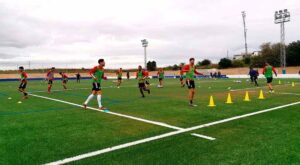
[(293, 84), (229, 101), (279, 82), (261, 95), (247, 98), (211, 102)]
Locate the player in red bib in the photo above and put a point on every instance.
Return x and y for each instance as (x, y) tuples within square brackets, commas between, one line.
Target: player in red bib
[(190, 71), (97, 74), (23, 81), (64, 79), (50, 78)]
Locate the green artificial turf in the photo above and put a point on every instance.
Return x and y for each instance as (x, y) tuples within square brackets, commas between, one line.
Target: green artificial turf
[(39, 131)]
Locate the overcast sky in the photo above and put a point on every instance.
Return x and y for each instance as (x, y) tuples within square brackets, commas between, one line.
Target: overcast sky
[(76, 33)]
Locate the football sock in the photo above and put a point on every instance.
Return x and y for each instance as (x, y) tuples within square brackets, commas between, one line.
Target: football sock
[(89, 99), (99, 100)]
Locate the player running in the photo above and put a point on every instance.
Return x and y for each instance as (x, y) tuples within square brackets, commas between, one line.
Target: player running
[(190, 70), (268, 72), (64, 79), (119, 75), (50, 78), (161, 76), (253, 76), (23, 81), (140, 75), (97, 74), (181, 74)]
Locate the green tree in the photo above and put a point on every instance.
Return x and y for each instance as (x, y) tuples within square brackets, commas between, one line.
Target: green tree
[(293, 54), (205, 62), (151, 65), (225, 63), (238, 63)]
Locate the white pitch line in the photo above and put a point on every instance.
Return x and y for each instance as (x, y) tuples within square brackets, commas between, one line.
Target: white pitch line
[(125, 145), (113, 113), (285, 93), (203, 136)]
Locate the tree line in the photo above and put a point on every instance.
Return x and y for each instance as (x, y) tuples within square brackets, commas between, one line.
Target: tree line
[(269, 53)]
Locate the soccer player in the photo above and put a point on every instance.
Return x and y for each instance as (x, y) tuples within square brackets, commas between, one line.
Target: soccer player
[(78, 76), (268, 72), (147, 78), (64, 79), (50, 78), (97, 74), (119, 75), (190, 71), (253, 76), (140, 75), (23, 81), (161, 76), (181, 78)]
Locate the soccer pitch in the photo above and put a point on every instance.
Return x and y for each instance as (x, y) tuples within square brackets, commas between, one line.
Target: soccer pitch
[(158, 129)]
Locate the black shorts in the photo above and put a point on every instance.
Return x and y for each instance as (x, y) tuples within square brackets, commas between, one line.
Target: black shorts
[(160, 79), (119, 78), (181, 78), (50, 82), (142, 85), (65, 81), (23, 85), (147, 82), (96, 87), (269, 79), (190, 84)]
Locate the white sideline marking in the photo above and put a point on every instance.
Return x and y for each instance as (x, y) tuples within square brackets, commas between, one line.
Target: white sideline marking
[(113, 113), (99, 152), (203, 136), (285, 93), (233, 90)]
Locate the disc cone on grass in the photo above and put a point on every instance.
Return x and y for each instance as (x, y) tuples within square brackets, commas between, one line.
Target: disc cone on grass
[(211, 102), (293, 84), (247, 98), (279, 82), (229, 100), (261, 95)]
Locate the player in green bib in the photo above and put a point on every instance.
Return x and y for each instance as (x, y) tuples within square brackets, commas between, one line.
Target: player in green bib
[(119, 75), (23, 80), (97, 74), (268, 72), (190, 71), (161, 76), (141, 75)]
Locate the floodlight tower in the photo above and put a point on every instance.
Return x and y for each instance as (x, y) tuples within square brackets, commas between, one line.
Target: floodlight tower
[(145, 44), (281, 17), (245, 32)]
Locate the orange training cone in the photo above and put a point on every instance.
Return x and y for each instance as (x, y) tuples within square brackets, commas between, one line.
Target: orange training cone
[(247, 98), (229, 100), (261, 95), (211, 102)]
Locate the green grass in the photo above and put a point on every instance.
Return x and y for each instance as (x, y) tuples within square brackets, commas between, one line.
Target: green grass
[(39, 131)]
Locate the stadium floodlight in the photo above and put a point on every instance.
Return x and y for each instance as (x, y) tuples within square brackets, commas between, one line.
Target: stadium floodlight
[(145, 45), (280, 17), (245, 32)]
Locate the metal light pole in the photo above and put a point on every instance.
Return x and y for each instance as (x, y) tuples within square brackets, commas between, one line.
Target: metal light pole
[(145, 44), (281, 17), (245, 32)]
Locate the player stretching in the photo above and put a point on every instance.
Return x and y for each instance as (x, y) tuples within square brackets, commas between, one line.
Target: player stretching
[(64, 79), (97, 74), (140, 75), (23, 82), (190, 70), (268, 72), (181, 78), (119, 75), (50, 78), (161, 76)]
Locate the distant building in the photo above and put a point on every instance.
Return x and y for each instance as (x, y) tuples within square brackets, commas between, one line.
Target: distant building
[(242, 55)]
